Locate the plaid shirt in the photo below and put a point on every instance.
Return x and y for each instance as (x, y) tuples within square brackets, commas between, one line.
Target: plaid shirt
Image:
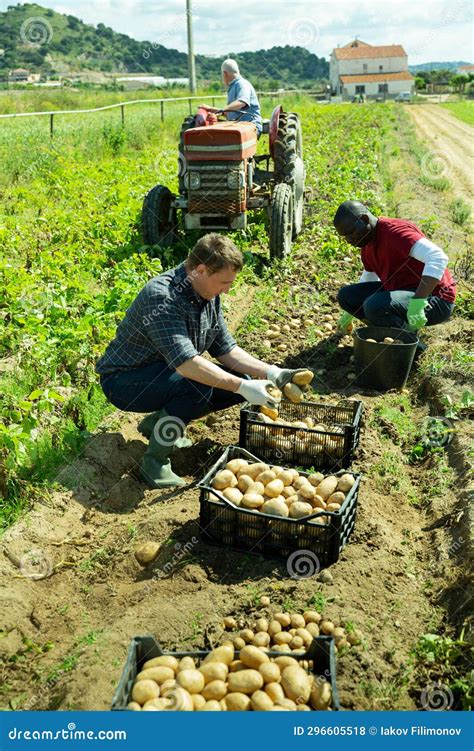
[(168, 321)]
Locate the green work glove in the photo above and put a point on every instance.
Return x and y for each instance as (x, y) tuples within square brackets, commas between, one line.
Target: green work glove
[(416, 312), (344, 322)]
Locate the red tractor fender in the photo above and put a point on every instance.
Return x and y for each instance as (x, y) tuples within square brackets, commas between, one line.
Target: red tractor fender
[(273, 127)]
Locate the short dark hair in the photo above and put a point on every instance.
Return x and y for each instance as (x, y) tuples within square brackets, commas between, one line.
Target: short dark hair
[(217, 252), (350, 210)]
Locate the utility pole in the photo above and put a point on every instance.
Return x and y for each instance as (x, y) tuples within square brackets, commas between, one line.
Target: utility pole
[(191, 64)]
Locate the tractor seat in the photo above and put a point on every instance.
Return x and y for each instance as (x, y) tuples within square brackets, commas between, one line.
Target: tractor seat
[(265, 126)]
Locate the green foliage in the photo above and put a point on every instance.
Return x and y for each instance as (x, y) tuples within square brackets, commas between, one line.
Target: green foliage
[(462, 110), (445, 662), (460, 211)]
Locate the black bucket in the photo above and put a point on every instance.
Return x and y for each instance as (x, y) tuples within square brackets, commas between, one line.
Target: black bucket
[(381, 366)]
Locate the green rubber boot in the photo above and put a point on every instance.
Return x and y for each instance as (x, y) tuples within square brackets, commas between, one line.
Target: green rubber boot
[(145, 427), (156, 466)]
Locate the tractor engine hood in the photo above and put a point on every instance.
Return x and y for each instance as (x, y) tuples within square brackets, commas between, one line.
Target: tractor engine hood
[(230, 141)]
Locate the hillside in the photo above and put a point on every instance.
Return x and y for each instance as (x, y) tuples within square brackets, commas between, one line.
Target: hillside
[(47, 42)]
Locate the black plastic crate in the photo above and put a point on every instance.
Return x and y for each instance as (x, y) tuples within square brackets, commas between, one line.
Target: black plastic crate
[(329, 449), (142, 648), (222, 523)]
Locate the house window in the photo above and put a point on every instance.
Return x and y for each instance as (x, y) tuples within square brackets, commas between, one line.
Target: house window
[(364, 67), (383, 88), (380, 67), (360, 89)]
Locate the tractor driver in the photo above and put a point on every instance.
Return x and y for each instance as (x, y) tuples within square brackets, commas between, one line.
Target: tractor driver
[(242, 101), (155, 363)]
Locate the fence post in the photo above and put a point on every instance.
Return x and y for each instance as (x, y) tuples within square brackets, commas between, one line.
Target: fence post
[(122, 109), (213, 100), (190, 107), (51, 125), (162, 111)]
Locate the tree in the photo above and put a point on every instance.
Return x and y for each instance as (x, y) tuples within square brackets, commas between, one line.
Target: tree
[(420, 83), (458, 82)]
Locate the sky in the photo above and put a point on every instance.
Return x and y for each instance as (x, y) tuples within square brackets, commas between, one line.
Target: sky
[(429, 30)]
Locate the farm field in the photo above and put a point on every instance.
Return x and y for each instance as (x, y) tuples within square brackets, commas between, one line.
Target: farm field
[(73, 260)]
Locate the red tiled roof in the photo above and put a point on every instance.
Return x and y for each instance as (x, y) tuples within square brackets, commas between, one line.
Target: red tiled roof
[(404, 75), (359, 53)]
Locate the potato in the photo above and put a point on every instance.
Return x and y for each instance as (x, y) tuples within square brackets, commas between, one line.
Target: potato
[(274, 691), (145, 690), (283, 618), (318, 502), (312, 616), (256, 487), (244, 483), (181, 700), (285, 661), (313, 629), (159, 674), (299, 482), (238, 642), (269, 411), (215, 690), (247, 635), (297, 620), (252, 500), (307, 492), (337, 498), (266, 477), (345, 482), (245, 681), (224, 479), (134, 706), (315, 478), (229, 622), (274, 627), (296, 683), (303, 708), (326, 627), (275, 507), (235, 465), (388, 340), (147, 552), (282, 637), (236, 665), (286, 477), (270, 671), (334, 507), (164, 660), (255, 469), (234, 495), (298, 509), (237, 701), (264, 601), (304, 634), (260, 701), (293, 393), (186, 663), (155, 705), (192, 680), (167, 685), (286, 704), (321, 694), (262, 639), (353, 638), (338, 633), (253, 657), (210, 706), (372, 340), (327, 487), (223, 654), (261, 624), (296, 643), (274, 391), (302, 378), (274, 488)]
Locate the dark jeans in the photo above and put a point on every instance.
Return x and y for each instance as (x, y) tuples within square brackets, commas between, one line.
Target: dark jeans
[(369, 302), (155, 386)]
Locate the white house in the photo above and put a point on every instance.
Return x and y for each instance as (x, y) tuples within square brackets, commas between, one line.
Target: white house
[(361, 68)]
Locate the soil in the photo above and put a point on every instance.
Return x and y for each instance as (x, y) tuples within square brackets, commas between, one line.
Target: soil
[(453, 140)]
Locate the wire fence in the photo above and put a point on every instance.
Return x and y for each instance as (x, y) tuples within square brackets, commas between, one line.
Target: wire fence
[(162, 101)]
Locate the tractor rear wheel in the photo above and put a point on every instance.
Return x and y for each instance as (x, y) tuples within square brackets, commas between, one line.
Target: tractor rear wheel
[(289, 165), (159, 218), (281, 221)]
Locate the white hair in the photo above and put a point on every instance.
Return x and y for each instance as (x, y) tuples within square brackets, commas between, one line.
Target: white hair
[(230, 66)]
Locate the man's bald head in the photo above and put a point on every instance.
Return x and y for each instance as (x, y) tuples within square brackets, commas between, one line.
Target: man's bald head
[(355, 223)]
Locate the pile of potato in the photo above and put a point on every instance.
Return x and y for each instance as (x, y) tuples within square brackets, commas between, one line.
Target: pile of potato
[(287, 632), (275, 332), (299, 442), (223, 682), (281, 492)]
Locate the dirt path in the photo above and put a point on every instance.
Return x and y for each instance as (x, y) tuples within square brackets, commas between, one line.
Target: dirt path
[(453, 146)]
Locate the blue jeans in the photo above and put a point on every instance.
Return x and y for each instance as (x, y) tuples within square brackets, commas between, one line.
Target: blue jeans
[(155, 386), (369, 302)]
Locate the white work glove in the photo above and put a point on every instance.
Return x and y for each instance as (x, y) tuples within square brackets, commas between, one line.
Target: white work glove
[(255, 392), (281, 376)]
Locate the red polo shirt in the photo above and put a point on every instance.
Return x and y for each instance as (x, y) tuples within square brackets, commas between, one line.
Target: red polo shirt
[(388, 255)]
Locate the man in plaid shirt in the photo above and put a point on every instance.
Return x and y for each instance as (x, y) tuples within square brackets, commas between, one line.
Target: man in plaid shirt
[(155, 362)]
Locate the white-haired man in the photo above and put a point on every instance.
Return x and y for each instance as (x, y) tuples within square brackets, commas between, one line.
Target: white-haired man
[(242, 100)]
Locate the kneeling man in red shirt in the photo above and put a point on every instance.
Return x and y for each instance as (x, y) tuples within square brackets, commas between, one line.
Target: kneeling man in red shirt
[(405, 283)]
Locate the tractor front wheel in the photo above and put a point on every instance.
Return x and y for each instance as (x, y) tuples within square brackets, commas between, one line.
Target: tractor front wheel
[(159, 218), (281, 221)]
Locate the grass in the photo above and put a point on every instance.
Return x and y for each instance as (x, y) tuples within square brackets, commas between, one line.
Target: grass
[(460, 211), (462, 110)]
